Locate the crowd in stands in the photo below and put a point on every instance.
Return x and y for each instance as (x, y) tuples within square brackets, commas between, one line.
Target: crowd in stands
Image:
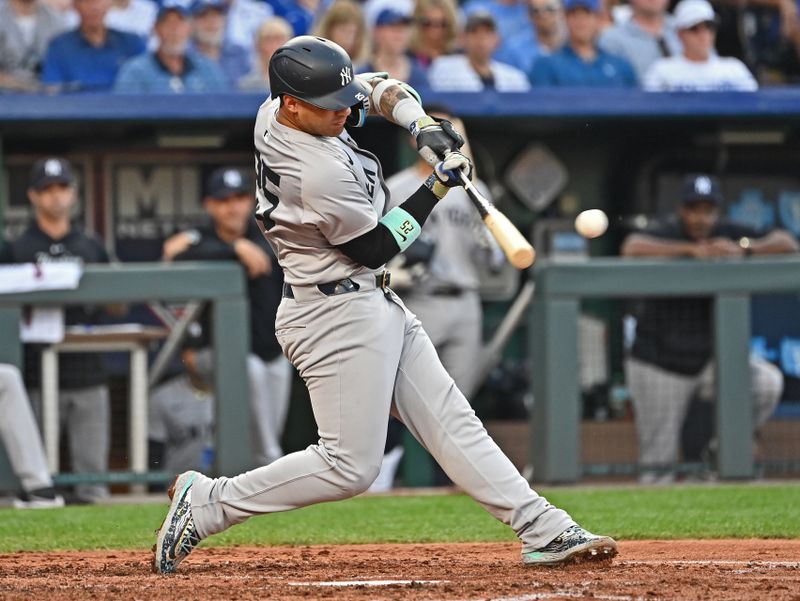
[(178, 46)]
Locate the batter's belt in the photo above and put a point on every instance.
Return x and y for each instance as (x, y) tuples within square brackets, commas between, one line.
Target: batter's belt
[(364, 281)]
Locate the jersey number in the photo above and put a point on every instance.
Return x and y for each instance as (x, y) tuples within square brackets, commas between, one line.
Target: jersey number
[(263, 175)]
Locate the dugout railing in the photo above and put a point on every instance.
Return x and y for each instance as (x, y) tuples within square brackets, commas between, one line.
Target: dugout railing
[(221, 285), (555, 443)]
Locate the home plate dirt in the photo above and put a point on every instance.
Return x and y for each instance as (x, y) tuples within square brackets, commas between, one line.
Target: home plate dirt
[(644, 570)]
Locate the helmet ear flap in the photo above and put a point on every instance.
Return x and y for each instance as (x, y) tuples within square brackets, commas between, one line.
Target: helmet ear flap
[(358, 113)]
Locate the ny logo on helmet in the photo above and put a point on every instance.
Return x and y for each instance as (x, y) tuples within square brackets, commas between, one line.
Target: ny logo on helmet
[(345, 75)]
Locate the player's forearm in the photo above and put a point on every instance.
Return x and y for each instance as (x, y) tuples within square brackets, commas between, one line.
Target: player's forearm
[(642, 245), (397, 105), (394, 233)]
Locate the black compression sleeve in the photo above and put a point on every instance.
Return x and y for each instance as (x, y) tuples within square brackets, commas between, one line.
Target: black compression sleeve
[(375, 247)]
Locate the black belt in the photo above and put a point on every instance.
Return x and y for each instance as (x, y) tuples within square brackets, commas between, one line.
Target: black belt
[(447, 291), (382, 280)]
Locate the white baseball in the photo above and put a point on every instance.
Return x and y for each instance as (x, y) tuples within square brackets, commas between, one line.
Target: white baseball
[(591, 223)]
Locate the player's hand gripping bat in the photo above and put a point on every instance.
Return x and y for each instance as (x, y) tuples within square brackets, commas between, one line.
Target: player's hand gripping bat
[(516, 248)]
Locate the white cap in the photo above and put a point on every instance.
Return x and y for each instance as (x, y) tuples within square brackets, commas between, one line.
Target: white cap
[(689, 13)]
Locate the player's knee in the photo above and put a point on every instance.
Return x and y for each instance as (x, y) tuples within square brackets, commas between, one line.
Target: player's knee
[(8, 372), (357, 479)]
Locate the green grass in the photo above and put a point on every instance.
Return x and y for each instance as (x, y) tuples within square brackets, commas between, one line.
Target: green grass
[(727, 511)]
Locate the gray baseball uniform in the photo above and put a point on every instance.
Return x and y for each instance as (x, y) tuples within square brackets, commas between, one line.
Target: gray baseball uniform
[(446, 298), (361, 353), (19, 432), (182, 418)]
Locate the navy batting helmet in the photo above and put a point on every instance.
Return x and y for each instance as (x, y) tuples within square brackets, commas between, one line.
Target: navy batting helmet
[(317, 71)]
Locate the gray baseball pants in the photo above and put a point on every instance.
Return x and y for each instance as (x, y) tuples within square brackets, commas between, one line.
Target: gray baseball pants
[(19, 432), (362, 355), (270, 384), (85, 414), (661, 399), (454, 325)]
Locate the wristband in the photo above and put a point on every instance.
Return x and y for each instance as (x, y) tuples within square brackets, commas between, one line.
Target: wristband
[(403, 226), (435, 185)]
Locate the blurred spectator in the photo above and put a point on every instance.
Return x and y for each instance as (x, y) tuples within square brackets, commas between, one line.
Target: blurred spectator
[(87, 59), (510, 17), (232, 235), (26, 28), (372, 8), (273, 33), (20, 436), (83, 396), (475, 70), (171, 68), (435, 31), (208, 39), (390, 51), (244, 17), (698, 68), (66, 10), (549, 25), (644, 38), (765, 34), (580, 62), (672, 356), (133, 16), (300, 14), (546, 36), (344, 24)]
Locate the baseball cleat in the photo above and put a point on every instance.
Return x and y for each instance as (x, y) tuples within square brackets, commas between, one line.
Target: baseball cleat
[(42, 498), (177, 536), (572, 546)]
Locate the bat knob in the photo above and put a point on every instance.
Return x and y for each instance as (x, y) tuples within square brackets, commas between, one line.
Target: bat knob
[(523, 258)]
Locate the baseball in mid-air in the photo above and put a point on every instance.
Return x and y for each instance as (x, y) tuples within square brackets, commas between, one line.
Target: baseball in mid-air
[(591, 223)]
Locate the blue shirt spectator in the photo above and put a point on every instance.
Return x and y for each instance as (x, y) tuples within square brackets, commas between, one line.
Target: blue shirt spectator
[(580, 62), (209, 40), (547, 34), (511, 17), (146, 74), (171, 69), (88, 58), (390, 49), (648, 35), (566, 68), (298, 16)]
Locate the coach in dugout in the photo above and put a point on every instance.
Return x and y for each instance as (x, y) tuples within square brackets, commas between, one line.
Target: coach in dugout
[(83, 396), (671, 359)]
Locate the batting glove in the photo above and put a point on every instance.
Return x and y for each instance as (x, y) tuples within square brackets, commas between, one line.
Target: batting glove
[(372, 75), (435, 138), (446, 173)]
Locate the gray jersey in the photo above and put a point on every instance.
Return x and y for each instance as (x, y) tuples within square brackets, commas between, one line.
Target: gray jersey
[(454, 227), (330, 192), (181, 417)]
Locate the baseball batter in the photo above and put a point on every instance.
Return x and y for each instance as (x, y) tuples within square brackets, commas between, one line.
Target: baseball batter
[(362, 354)]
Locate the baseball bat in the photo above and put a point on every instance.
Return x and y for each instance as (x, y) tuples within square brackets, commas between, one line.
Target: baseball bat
[(517, 249), (492, 350)]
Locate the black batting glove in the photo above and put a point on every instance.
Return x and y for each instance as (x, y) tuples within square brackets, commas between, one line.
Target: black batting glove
[(436, 138)]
